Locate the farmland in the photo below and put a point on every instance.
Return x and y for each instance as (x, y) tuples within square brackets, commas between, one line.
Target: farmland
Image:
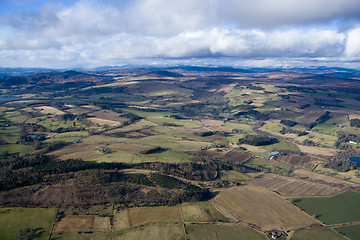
[(290, 187), (13, 220), (181, 153), (275, 212), (140, 216), (352, 232), (341, 208), (321, 234), (222, 232)]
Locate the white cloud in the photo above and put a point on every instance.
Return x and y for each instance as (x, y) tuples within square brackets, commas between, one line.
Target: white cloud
[(353, 44), (96, 32)]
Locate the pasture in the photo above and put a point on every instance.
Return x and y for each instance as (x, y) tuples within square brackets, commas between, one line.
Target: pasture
[(291, 187), (341, 208), (318, 150), (143, 215), (352, 232), (318, 234), (279, 168), (235, 176), (282, 146), (12, 220), (218, 232), (17, 148), (275, 212), (10, 134)]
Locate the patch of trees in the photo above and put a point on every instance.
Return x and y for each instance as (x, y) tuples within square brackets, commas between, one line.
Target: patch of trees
[(344, 137), (153, 150), (257, 140), (284, 96), (101, 186), (177, 116), (355, 122), (132, 116), (341, 161), (305, 106), (253, 87), (167, 124), (323, 118), (289, 130), (300, 89), (288, 123), (204, 134), (254, 114), (244, 107), (308, 142)]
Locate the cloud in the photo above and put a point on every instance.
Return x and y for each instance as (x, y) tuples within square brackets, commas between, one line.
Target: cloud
[(275, 13), (101, 32)]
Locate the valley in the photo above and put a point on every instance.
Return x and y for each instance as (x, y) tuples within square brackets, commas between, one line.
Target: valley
[(180, 153)]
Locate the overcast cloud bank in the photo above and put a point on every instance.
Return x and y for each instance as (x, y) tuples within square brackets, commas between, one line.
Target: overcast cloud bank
[(93, 33)]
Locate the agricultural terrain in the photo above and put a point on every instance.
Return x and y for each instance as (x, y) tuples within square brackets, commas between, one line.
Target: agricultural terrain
[(180, 153)]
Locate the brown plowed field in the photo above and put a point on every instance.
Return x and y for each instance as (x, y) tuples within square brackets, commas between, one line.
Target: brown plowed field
[(305, 162), (237, 156), (291, 187), (263, 208), (321, 177), (75, 224)]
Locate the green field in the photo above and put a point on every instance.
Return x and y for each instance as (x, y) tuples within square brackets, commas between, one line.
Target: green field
[(214, 232), (341, 208), (282, 146), (175, 140), (318, 234), (352, 232), (12, 220), (10, 134), (282, 168), (17, 148), (186, 123), (68, 136), (150, 232)]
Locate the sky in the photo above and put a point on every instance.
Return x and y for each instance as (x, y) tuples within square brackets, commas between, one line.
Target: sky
[(259, 33)]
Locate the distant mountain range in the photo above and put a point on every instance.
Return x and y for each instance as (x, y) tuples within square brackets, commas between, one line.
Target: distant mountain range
[(324, 71)]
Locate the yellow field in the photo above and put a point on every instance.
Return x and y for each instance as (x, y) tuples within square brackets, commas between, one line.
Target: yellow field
[(291, 187), (153, 232), (49, 110), (263, 208), (140, 216), (121, 219), (318, 150), (200, 212), (103, 122), (102, 224)]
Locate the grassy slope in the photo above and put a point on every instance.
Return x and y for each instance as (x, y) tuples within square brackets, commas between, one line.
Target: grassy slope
[(19, 218)]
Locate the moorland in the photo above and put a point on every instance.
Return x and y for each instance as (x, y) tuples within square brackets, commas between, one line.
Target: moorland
[(180, 153)]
